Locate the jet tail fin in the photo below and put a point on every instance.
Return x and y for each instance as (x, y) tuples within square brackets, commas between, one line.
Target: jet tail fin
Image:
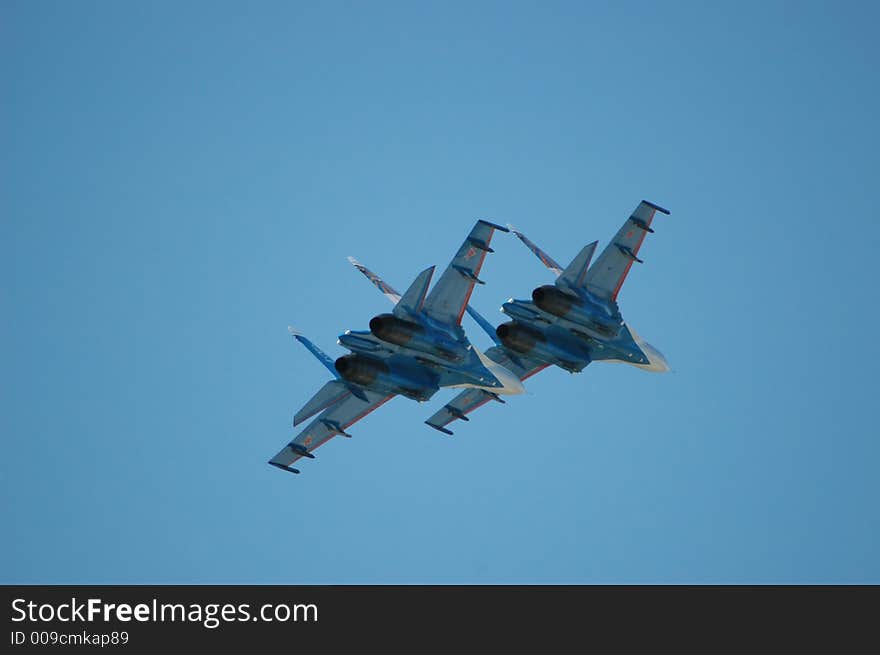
[(395, 297), (413, 298), (546, 259), (378, 282), (575, 273)]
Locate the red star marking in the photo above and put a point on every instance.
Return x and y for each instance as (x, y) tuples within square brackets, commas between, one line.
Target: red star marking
[(307, 441), (629, 234), (470, 253)]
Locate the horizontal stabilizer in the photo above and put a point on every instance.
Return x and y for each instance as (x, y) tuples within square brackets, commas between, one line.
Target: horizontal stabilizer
[(319, 354), (483, 323), (329, 395)]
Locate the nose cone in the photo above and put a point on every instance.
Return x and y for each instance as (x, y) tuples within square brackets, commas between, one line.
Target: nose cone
[(512, 384), (516, 385), (657, 362)]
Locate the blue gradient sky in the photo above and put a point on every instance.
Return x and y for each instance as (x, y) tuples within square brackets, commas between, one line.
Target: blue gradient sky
[(182, 180)]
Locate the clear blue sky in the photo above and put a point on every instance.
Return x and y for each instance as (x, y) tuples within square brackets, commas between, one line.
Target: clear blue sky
[(182, 180)]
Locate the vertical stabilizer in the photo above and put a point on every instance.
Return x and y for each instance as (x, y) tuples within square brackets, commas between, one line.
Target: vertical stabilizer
[(413, 299), (575, 273)]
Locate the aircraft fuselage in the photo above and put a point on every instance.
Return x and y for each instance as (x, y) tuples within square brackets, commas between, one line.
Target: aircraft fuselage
[(391, 375), (419, 358), (579, 307), (417, 336), (536, 343), (579, 323)]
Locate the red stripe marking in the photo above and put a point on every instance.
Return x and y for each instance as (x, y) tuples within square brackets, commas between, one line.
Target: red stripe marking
[(355, 420), (535, 372), (467, 297), (635, 252), (483, 402), (371, 409), (468, 411), (478, 405)]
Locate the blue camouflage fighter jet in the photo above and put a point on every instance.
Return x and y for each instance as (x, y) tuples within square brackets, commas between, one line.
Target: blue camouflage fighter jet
[(572, 322), (413, 351), (567, 324)]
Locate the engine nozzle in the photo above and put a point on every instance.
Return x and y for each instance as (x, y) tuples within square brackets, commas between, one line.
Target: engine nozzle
[(518, 337), (552, 300), (360, 370), (392, 329)]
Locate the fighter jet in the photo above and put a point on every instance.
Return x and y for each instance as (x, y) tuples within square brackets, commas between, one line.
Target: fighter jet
[(572, 322), (413, 351)]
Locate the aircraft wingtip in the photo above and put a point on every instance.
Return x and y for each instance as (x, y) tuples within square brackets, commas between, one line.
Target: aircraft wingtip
[(439, 428), (493, 225), (293, 331), (656, 206)]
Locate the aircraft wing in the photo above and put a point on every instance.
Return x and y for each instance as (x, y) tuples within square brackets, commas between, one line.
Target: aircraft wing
[(606, 275), (471, 399), (452, 292), (332, 421)]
